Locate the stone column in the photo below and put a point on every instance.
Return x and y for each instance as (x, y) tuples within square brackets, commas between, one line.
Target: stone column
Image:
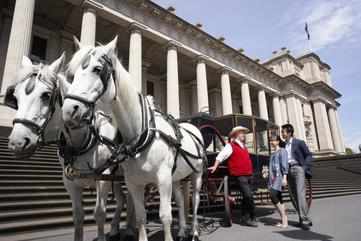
[(88, 27), (226, 93), (312, 139), (277, 110), (322, 126), (172, 81), (262, 103), (301, 118), (294, 116), (340, 133), (145, 68), (246, 99), (283, 111), (202, 86), (19, 41), (135, 56), (334, 130)]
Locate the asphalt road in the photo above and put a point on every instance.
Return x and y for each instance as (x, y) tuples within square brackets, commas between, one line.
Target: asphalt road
[(334, 219)]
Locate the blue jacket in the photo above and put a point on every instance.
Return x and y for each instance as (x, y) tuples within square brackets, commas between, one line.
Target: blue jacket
[(278, 166), (302, 155)]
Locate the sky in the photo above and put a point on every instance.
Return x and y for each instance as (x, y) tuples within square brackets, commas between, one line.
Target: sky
[(262, 26)]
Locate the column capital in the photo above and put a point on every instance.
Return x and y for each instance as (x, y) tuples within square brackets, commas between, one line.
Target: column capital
[(224, 70), (90, 9), (172, 44), (136, 28), (202, 59)]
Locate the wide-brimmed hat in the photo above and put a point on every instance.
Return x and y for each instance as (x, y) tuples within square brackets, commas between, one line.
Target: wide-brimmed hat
[(237, 129)]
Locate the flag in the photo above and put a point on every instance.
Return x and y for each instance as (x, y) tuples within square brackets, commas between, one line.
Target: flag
[(307, 32)]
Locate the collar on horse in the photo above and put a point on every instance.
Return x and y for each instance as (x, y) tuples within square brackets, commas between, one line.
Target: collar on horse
[(139, 143)]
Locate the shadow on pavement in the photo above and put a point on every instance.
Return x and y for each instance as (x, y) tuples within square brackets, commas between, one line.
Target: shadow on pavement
[(269, 221), (305, 235)]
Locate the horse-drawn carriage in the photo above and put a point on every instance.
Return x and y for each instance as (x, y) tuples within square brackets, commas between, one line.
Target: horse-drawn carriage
[(219, 187), (153, 148)]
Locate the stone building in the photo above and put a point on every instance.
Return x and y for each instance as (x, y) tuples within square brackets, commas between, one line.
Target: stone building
[(186, 69)]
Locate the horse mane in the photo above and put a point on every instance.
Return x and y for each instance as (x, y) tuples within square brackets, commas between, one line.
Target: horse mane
[(24, 72), (77, 59)]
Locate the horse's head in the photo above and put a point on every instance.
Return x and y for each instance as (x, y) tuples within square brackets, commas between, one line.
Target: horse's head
[(91, 74), (33, 96)]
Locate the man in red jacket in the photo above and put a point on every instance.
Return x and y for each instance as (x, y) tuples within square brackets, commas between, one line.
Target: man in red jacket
[(240, 167)]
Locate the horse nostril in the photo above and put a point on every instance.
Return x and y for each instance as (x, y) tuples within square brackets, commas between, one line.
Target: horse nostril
[(27, 141), (75, 109)]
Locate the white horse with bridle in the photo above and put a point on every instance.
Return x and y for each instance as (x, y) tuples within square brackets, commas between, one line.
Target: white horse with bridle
[(155, 148), (37, 96)]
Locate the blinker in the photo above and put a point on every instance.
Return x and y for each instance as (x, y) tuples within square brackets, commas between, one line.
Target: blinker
[(10, 99)]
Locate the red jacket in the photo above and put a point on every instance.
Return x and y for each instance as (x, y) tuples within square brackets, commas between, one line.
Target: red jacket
[(239, 163)]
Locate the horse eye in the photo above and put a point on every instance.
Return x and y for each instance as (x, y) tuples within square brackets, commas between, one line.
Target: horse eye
[(46, 96), (97, 70)]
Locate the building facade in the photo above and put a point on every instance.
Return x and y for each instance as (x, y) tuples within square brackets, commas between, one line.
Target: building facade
[(186, 69)]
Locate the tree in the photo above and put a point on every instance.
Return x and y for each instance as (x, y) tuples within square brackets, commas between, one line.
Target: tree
[(349, 151)]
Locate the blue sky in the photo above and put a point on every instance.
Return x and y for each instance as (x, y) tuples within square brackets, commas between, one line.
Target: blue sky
[(262, 26)]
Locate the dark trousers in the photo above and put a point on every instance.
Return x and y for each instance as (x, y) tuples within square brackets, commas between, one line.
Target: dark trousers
[(297, 190), (247, 206), (276, 196)]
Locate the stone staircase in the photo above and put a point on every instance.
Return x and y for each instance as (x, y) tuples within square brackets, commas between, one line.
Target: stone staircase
[(33, 198)]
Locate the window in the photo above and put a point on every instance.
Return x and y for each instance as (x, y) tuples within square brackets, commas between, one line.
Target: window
[(38, 48)]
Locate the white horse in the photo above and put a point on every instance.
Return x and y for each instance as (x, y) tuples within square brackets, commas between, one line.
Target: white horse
[(36, 95), (99, 75)]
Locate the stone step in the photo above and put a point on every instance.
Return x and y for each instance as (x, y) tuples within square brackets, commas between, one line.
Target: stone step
[(17, 166)]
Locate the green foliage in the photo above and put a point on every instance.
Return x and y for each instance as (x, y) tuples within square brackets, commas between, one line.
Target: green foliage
[(349, 151)]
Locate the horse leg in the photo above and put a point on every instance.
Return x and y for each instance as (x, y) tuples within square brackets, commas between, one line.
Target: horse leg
[(119, 197), (137, 195), (165, 208), (103, 189), (76, 194), (186, 188), (197, 185), (178, 195), (131, 219)]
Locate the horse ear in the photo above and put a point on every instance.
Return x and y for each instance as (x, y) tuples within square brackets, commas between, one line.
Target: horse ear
[(112, 45), (77, 43), (58, 64), (63, 84), (26, 62)]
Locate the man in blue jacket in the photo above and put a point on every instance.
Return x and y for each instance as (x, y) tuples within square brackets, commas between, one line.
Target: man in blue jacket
[(299, 161)]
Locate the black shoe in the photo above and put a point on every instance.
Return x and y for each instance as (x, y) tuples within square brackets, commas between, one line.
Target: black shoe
[(250, 223), (304, 226)]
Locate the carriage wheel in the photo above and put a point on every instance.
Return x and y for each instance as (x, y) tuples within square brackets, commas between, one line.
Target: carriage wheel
[(227, 204)]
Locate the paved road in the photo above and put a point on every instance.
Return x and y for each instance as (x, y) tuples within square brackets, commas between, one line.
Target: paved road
[(335, 219)]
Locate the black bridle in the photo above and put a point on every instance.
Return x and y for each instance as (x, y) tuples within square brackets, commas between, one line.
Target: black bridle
[(39, 130), (105, 75)]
